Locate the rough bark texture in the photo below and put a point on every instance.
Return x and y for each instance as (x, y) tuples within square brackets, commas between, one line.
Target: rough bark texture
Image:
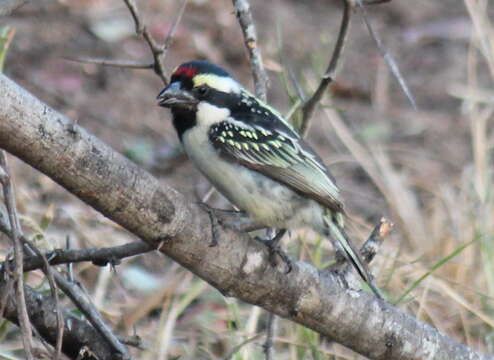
[(237, 267)]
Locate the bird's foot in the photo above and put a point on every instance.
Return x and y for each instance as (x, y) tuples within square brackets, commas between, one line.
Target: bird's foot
[(214, 223), (275, 249)]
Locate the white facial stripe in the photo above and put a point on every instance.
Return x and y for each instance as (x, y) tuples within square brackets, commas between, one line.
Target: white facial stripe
[(208, 114), (220, 83)]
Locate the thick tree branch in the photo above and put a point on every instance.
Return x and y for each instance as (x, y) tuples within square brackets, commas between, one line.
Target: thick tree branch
[(238, 266)]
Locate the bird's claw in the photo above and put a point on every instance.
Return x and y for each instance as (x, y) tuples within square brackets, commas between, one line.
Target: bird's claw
[(214, 223), (274, 249)]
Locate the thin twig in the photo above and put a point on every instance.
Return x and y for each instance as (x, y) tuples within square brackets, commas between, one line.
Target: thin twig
[(171, 34), (237, 348), (368, 251), (387, 57), (72, 289), (14, 231), (267, 347), (375, 240), (310, 105), (83, 303), (98, 256), (244, 16), (8, 192), (70, 267), (129, 64), (48, 271)]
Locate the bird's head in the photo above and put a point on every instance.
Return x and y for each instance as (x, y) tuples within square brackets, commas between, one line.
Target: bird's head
[(196, 82)]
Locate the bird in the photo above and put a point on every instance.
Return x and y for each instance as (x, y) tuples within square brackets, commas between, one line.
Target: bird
[(254, 157)]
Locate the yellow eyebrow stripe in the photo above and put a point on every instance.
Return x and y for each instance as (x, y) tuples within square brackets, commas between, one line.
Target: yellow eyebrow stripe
[(221, 83)]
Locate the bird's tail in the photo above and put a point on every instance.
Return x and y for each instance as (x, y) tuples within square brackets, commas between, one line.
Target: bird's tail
[(335, 223)]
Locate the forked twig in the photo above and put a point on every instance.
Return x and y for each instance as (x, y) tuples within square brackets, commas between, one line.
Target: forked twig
[(368, 251), (158, 51)]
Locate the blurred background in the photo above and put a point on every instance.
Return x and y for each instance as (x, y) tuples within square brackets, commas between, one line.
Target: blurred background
[(428, 170)]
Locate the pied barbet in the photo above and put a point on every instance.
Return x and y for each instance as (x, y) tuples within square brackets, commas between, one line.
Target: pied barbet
[(254, 157)]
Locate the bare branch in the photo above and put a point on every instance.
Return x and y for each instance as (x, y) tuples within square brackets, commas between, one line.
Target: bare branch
[(158, 51), (239, 346), (244, 16), (267, 347), (171, 34), (37, 260), (8, 193), (238, 266), (78, 333), (83, 303), (368, 252), (384, 53), (310, 105), (9, 6), (54, 293), (130, 64)]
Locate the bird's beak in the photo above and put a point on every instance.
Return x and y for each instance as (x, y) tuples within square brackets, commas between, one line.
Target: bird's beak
[(173, 95)]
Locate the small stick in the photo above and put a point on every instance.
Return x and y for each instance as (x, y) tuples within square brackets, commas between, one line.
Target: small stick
[(368, 251), (267, 347), (48, 271), (384, 53), (244, 16), (8, 192), (129, 64), (310, 105)]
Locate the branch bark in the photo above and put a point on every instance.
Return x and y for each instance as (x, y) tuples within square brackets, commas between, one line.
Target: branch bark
[(238, 266)]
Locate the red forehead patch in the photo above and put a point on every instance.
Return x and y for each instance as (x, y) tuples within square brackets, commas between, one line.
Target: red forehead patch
[(186, 71)]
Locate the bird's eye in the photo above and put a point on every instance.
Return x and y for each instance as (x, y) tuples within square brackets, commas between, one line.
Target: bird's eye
[(202, 90)]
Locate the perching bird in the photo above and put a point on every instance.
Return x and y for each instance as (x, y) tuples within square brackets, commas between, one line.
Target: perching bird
[(254, 157)]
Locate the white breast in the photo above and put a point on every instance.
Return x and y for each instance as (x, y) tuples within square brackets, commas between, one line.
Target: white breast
[(267, 200)]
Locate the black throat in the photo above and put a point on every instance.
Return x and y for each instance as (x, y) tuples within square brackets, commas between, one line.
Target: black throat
[(183, 120)]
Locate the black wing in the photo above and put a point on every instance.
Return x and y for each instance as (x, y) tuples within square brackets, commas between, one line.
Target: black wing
[(258, 138)]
